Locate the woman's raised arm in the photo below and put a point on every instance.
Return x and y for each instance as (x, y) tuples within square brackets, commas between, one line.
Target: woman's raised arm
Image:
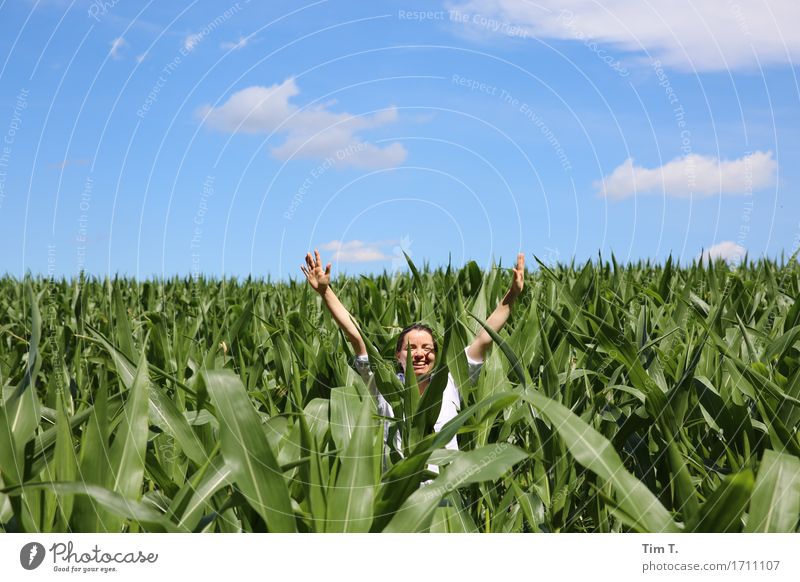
[(499, 316), (320, 280)]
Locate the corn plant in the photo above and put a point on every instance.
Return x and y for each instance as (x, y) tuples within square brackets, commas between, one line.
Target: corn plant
[(640, 397)]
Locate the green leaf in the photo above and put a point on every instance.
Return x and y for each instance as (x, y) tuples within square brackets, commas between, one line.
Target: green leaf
[(247, 452), (487, 463), (122, 326), (344, 406), (23, 409), (164, 414), (218, 475), (414, 272), (410, 430), (350, 499), (10, 460), (311, 474), (430, 403), (128, 451), (112, 502), (386, 381), (94, 468), (550, 373), (10, 466), (316, 415), (34, 358), (593, 451), (405, 476), (532, 506), (722, 511), (65, 461), (775, 504)]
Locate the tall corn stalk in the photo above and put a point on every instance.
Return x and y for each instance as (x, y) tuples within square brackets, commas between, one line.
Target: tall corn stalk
[(617, 398)]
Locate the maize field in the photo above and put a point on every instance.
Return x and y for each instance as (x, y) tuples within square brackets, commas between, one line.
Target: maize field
[(618, 398)]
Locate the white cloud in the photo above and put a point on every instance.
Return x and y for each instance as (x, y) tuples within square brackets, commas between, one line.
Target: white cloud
[(355, 251), (191, 41), (312, 132), (692, 174), (239, 44), (687, 34), (116, 46), (726, 250)]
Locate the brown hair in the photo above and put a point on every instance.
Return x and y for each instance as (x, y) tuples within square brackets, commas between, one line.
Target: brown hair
[(412, 327)]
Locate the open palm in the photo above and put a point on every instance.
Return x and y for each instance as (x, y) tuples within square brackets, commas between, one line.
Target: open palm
[(318, 278)]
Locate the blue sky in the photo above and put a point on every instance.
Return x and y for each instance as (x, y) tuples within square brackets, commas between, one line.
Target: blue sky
[(219, 138)]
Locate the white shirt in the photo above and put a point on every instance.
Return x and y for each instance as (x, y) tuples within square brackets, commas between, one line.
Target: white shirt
[(451, 399)]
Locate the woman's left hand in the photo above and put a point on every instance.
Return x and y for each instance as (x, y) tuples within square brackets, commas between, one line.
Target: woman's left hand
[(519, 278)]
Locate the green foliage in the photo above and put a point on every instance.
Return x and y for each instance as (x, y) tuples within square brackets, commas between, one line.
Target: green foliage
[(617, 398)]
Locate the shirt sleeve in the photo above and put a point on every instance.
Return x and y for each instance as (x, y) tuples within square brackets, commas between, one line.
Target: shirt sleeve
[(474, 367), (365, 371)]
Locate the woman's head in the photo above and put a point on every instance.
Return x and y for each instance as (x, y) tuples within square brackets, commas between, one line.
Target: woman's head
[(419, 338)]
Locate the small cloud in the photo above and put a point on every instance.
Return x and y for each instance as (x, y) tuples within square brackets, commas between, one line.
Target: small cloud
[(689, 175), (141, 57), (312, 132), (239, 44), (726, 250), (191, 41), (116, 46), (355, 251)]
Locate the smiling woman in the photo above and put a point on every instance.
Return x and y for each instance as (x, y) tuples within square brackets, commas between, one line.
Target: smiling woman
[(416, 339)]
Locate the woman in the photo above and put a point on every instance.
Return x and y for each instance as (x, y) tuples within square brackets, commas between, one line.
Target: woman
[(418, 338)]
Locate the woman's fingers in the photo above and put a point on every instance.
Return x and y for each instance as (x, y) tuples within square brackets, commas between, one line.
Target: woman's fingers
[(519, 272), (518, 280), (314, 265)]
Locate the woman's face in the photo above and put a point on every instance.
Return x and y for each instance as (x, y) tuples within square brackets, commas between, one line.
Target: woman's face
[(423, 355)]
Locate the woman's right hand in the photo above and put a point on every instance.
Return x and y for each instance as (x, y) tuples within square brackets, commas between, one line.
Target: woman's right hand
[(318, 278)]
